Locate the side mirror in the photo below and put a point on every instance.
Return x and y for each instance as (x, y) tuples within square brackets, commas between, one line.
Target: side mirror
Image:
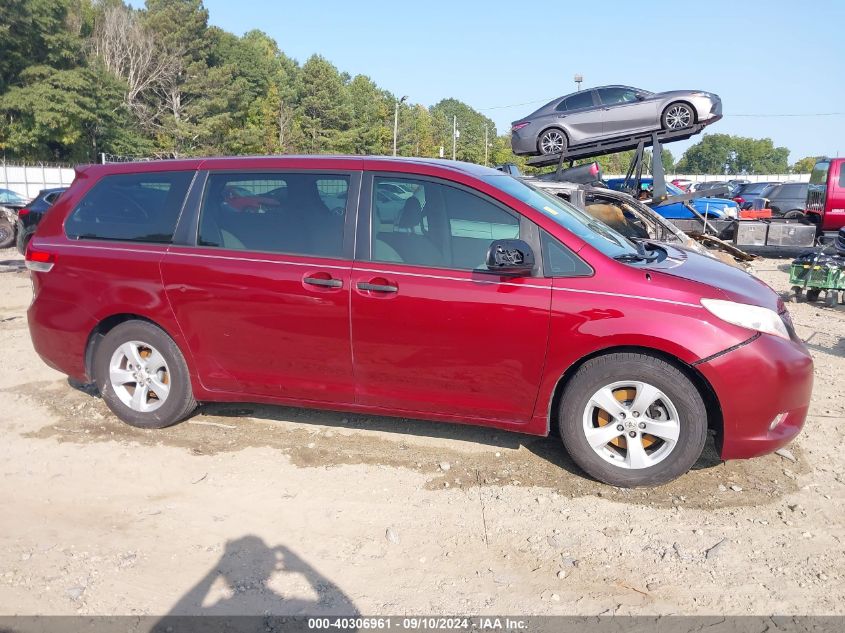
[(510, 257)]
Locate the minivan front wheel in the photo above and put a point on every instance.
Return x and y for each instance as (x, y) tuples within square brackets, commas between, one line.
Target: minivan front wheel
[(632, 419), (142, 376)]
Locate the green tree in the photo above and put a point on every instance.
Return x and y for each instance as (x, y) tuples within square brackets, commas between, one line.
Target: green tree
[(470, 124), (716, 153), (61, 114), (323, 107), (180, 25), (805, 165), (39, 33), (371, 111)]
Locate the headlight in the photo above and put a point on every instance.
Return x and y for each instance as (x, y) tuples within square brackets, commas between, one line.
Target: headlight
[(747, 316)]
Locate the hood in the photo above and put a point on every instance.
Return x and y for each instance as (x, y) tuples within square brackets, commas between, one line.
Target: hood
[(685, 93), (734, 284), (718, 201)]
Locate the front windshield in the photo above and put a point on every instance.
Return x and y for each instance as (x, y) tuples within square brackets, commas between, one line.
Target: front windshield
[(593, 231)]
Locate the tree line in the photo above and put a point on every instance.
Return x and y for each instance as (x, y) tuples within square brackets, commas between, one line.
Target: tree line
[(81, 77)]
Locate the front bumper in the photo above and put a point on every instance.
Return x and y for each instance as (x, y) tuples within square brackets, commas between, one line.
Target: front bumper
[(764, 380)]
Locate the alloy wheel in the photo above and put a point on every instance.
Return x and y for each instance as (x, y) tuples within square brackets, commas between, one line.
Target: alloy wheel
[(552, 142), (139, 376), (678, 117), (631, 424)]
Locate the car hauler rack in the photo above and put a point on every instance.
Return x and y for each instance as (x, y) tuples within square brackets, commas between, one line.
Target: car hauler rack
[(636, 142), (754, 234)]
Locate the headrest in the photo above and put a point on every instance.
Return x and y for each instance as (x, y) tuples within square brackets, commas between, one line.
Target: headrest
[(410, 215)]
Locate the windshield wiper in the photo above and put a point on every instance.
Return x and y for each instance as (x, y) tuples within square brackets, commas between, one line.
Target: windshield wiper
[(640, 256), (630, 257)]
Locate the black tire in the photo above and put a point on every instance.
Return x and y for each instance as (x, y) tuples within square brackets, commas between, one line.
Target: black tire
[(795, 214), (669, 380), (179, 401), (831, 298), (669, 119), (7, 233), (813, 294), (553, 137), (799, 293)]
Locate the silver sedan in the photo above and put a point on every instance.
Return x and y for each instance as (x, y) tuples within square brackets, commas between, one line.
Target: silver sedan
[(608, 112)]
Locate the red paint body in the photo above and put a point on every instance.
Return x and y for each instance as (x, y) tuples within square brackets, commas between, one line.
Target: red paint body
[(449, 345), (826, 193)]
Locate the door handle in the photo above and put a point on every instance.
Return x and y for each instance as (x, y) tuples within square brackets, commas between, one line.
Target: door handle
[(327, 283), (377, 287)]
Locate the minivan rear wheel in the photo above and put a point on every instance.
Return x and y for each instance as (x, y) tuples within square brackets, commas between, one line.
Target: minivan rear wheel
[(142, 376), (631, 419)]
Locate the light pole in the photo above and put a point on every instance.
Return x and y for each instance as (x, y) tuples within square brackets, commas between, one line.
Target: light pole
[(455, 135), (578, 79), (396, 121)]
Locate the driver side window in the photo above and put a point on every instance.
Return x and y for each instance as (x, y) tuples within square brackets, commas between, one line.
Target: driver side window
[(427, 223), (615, 96)]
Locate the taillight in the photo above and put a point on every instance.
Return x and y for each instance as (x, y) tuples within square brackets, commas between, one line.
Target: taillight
[(23, 212), (39, 261), (739, 200), (519, 126)]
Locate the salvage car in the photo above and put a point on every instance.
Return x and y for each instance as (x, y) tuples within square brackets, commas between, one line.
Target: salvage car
[(719, 208), (30, 216), (10, 202), (484, 301), (608, 112)]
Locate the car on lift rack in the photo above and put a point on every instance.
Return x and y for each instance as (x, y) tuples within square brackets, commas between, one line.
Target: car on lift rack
[(608, 112)]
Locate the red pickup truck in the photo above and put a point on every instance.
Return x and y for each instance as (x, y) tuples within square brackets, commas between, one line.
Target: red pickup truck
[(826, 194)]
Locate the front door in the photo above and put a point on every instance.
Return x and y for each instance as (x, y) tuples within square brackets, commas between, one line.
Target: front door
[(262, 297), (624, 112), (432, 331)]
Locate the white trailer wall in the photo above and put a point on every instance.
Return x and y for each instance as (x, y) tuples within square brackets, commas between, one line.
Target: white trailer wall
[(28, 180)]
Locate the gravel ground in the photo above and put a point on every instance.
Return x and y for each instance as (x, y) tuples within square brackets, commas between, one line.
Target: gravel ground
[(254, 509)]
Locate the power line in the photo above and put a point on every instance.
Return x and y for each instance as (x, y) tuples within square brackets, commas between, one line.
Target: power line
[(764, 116)]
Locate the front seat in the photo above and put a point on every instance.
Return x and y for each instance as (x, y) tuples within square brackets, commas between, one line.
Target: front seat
[(409, 238)]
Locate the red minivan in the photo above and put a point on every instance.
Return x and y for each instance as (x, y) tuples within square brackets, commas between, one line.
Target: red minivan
[(409, 287), (826, 194)]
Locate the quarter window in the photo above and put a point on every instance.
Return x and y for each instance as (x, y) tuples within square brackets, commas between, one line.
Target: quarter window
[(296, 213), (427, 223), (559, 261), (131, 207)]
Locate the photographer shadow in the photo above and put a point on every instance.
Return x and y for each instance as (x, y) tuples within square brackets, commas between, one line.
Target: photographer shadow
[(243, 582)]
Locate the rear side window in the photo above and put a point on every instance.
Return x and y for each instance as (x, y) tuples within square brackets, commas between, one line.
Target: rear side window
[(577, 101), (131, 207), (842, 175), (294, 213), (794, 191)]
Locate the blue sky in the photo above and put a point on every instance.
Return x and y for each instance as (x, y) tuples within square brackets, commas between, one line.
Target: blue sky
[(763, 57)]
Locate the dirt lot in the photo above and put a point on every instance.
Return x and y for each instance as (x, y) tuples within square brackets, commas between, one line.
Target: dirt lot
[(253, 509)]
